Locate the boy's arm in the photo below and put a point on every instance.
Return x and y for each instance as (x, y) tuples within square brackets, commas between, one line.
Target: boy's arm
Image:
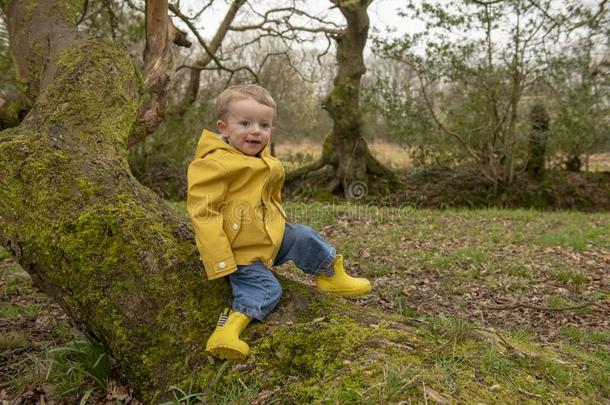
[(207, 188)]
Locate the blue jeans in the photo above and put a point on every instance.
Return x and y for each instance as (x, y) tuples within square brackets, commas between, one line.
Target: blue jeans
[(256, 291)]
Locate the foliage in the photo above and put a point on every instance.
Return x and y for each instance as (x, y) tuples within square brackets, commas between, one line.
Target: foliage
[(7, 67), (479, 65), (160, 162), (75, 365), (395, 111), (122, 21), (581, 122)]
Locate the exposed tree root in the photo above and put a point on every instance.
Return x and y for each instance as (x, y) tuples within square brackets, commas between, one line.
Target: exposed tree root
[(352, 189), (304, 170)]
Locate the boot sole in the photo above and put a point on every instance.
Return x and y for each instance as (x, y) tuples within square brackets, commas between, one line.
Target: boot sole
[(227, 353), (350, 293)]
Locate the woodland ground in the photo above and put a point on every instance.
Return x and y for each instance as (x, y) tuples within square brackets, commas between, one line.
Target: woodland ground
[(538, 282)]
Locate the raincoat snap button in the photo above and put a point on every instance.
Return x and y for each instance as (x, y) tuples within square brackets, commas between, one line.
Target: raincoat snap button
[(235, 226), (221, 265)]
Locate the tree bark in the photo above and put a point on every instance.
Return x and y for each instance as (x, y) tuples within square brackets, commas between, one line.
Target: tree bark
[(119, 260), (344, 147)]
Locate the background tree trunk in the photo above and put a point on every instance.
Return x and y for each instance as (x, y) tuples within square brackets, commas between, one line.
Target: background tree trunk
[(539, 120), (573, 163), (118, 259), (344, 147)]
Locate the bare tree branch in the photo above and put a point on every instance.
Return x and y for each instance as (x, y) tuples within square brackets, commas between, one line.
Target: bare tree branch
[(210, 55), (334, 28), (487, 3), (286, 54), (198, 14), (179, 36), (85, 8), (133, 6), (207, 48), (112, 20), (436, 119)]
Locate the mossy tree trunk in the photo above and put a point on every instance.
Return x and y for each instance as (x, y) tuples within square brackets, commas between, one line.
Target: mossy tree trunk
[(344, 147), (117, 258)]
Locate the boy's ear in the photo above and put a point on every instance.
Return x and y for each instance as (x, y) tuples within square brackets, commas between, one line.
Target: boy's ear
[(222, 127)]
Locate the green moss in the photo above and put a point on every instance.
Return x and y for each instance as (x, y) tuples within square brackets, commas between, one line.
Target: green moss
[(100, 100), (99, 252), (68, 10), (496, 364)]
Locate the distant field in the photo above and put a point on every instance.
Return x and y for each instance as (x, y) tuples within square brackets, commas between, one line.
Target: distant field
[(391, 154), (599, 162)]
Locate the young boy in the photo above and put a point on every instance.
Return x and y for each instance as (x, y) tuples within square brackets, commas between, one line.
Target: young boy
[(234, 188)]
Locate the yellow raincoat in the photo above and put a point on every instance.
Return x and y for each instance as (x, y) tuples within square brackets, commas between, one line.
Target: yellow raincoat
[(234, 201)]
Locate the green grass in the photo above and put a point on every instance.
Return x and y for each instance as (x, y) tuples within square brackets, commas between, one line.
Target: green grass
[(397, 381), (570, 276), (4, 253), (496, 364), (76, 371), (574, 233), (14, 311), (578, 335)]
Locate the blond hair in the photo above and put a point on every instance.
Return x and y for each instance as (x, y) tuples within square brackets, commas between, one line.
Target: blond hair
[(242, 92)]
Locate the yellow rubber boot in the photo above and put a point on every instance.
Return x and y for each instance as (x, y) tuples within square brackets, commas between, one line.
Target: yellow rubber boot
[(225, 343), (341, 283)]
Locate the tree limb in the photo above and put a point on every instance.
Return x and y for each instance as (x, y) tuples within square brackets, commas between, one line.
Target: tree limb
[(219, 64), (158, 70)]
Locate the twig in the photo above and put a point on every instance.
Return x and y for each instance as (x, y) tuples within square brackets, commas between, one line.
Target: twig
[(207, 48), (529, 394), (425, 395)]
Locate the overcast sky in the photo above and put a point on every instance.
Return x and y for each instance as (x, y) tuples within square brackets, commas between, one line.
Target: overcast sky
[(383, 15)]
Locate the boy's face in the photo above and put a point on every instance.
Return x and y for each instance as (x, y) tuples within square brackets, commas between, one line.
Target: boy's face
[(247, 125)]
